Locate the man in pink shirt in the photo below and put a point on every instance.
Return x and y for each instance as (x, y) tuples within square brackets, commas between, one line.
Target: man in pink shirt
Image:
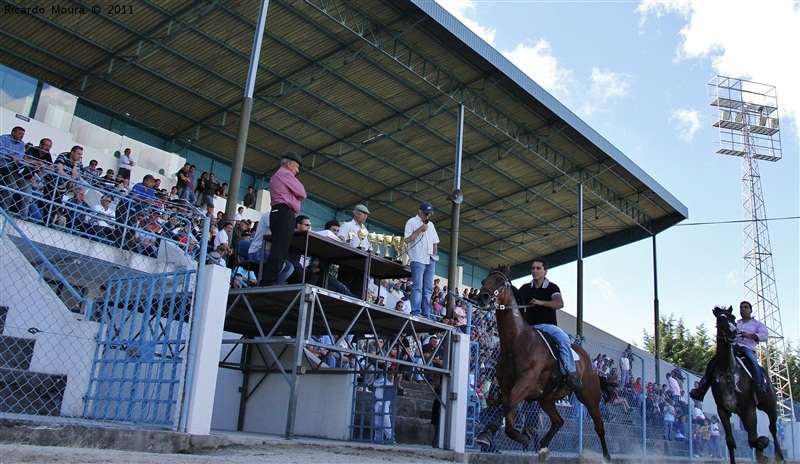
[(750, 332), (286, 193)]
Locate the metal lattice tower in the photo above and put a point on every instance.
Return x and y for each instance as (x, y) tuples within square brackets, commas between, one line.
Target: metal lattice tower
[(745, 114)]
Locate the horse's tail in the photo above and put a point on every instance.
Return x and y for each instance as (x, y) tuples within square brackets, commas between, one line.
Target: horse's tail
[(607, 388)]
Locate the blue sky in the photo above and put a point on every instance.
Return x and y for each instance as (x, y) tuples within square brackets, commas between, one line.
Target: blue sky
[(636, 72)]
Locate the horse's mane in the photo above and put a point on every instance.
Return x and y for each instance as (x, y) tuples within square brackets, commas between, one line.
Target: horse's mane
[(502, 268)]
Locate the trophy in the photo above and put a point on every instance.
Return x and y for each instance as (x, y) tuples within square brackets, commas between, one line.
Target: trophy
[(406, 258), (350, 237), (362, 234), (371, 237), (387, 242), (378, 241), (398, 240)]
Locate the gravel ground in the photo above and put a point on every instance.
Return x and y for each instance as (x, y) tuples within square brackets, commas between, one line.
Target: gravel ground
[(272, 453)]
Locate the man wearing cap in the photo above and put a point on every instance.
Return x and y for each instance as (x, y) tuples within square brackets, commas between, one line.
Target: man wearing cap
[(360, 213), (423, 246), (348, 233), (286, 193)]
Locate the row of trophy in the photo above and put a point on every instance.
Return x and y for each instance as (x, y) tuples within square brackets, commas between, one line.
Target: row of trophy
[(388, 241)]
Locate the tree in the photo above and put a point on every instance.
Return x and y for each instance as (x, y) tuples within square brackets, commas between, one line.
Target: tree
[(679, 346)]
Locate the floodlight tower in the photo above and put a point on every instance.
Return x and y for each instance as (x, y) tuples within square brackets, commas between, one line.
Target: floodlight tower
[(745, 115)]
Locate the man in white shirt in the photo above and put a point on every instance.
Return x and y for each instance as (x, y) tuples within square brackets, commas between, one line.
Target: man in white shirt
[(126, 164), (223, 238), (348, 232), (423, 246)]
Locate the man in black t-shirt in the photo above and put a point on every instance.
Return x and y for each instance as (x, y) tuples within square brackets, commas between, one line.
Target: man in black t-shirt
[(545, 296), (184, 183)]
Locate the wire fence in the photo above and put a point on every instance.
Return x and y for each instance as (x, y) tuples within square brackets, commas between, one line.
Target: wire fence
[(95, 301), (635, 421)]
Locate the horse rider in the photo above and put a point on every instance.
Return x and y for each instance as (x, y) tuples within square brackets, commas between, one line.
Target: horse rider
[(750, 332), (545, 298)]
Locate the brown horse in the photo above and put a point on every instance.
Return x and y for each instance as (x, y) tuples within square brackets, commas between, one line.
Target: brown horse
[(526, 371), (734, 392)]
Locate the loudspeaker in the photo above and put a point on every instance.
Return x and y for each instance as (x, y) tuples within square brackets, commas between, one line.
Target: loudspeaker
[(456, 196)]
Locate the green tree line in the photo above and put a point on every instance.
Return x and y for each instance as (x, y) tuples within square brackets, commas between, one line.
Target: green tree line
[(692, 350)]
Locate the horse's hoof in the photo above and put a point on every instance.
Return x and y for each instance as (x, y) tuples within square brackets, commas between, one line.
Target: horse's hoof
[(762, 443), (544, 454), (483, 440)]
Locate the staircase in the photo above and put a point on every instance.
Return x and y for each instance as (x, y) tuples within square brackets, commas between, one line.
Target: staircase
[(22, 391), (413, 421)]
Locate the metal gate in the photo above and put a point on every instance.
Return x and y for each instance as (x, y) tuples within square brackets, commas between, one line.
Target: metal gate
[(140, 359)]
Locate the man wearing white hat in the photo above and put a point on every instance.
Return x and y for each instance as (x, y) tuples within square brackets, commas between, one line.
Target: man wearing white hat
[(360, 214)]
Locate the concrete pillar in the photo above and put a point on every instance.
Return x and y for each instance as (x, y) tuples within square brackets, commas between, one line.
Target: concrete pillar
[(458, 388), (209, 314)]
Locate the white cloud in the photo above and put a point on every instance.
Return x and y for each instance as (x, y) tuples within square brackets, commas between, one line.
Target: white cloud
[(461, 9), (686, 122), (534, 59), (538, 62), (605, 86), (732, 278), (746, 39), (606, 290)]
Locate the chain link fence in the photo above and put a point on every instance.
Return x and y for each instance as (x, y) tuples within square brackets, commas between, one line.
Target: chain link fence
[(634, 418), (96, 288)]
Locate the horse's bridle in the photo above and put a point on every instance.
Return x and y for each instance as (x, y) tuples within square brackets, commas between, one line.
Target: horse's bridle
[(493, 306)]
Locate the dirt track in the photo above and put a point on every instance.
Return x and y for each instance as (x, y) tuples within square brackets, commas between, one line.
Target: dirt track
[(274, 453)]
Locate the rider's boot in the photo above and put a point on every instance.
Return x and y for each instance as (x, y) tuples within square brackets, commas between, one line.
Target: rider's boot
[(574, 383), (699, 393)]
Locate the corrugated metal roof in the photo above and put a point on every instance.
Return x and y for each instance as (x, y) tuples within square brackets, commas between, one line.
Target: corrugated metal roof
[(369, 92)]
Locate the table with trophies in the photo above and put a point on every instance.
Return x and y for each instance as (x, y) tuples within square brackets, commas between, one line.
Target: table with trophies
[(372, 257)]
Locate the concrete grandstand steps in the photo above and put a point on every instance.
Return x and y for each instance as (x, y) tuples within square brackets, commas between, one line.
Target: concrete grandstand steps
[(16, 352), (24, 392), (413, 417)]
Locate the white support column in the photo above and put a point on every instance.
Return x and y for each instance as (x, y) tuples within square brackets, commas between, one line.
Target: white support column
[(209, 319), (459, 386)]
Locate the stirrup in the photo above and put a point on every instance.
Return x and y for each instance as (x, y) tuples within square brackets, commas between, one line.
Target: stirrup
[(574, 383)]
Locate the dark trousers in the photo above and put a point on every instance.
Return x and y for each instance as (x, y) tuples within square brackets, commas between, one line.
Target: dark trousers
[(281, 224)]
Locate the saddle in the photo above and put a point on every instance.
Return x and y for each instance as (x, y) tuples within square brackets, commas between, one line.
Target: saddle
[(556, 380), (552, 345)]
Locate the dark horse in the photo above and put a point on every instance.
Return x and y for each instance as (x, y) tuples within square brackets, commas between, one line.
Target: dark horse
[(733, 390), (526, 371)]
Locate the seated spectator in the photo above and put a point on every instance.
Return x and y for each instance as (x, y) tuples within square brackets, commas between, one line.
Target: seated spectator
[(146, 242), (103, 213), (76, 212), (243, 278), (223, 237)]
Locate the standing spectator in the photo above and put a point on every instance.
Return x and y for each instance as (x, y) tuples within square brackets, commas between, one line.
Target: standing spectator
[(198, 188), (669, 419), (674, 388), (423, 247), (209, 190), (383, 386), (190, 196), (125, 164), (184, 183), (286, 195), (713, 444), (249, 198), (239, 217), (625, 369)]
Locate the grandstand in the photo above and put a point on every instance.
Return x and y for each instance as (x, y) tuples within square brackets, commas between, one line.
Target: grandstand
[(97, 331)]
